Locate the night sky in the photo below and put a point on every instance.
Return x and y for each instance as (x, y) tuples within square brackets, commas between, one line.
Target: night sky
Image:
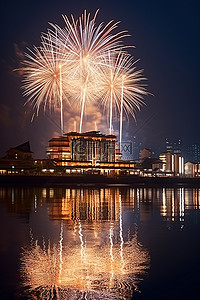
[(166, 36)]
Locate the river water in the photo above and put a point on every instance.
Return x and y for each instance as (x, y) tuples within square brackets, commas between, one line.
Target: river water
[(99, 243)]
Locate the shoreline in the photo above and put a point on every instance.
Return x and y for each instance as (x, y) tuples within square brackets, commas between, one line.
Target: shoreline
[(97, 180)]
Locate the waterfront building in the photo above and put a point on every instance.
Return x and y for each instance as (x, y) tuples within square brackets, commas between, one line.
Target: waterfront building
[(189, 169), (172, 163), (17, 160), (88, 152), (21, 152), (192, 169)]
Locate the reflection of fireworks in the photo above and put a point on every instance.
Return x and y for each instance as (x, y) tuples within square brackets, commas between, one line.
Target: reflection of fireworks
[(85, 270)]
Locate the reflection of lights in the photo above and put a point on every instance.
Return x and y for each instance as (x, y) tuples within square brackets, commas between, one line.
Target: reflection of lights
[(164, 208), (81, 239), (67, 193), (35, 203), (121, 232), (51, 193), (97, 262), (61, 249), (44, 193), (13, 196), (106, 267), (138, 198), (111, 256), (182, 204), (173, 207), (196, 199)]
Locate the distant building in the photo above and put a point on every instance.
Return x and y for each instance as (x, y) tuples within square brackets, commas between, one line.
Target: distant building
[(192, 169), (136, 148), (126, 149), (145, 153), (193, 153), (172, 163), (22, 151), (157, 165), (189, 169), (17, 160), (173, 146)]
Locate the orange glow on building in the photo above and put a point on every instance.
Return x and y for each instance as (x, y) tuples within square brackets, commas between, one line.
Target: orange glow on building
[(88, 152)]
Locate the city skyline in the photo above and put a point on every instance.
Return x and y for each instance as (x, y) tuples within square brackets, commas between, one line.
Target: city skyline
[(167, 51)]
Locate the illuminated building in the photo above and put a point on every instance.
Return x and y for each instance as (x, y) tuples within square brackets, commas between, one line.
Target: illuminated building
[(89, 151), (192, 169), (89, 146), (189, 169), (172, 163)]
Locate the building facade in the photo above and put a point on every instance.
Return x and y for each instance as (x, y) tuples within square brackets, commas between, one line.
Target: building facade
[(172, 163), (90, 146), (17, 160), (82, 152)]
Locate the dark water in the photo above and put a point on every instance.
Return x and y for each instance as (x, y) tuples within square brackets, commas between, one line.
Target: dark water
[(99, 243)]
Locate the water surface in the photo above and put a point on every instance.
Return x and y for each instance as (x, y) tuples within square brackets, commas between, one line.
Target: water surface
[(99, 243)]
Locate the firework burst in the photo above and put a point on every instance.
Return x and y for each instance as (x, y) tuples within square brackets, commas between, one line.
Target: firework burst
[(86, 45), (45, 73), (83, 63), (121, 88)]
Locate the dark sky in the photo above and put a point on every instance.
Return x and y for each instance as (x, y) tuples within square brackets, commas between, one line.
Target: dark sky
[(166, 36)]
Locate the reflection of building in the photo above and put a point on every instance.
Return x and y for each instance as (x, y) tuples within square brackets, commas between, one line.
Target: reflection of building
[(100, 205), (86, 204), (173, 204), (85, 152)]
